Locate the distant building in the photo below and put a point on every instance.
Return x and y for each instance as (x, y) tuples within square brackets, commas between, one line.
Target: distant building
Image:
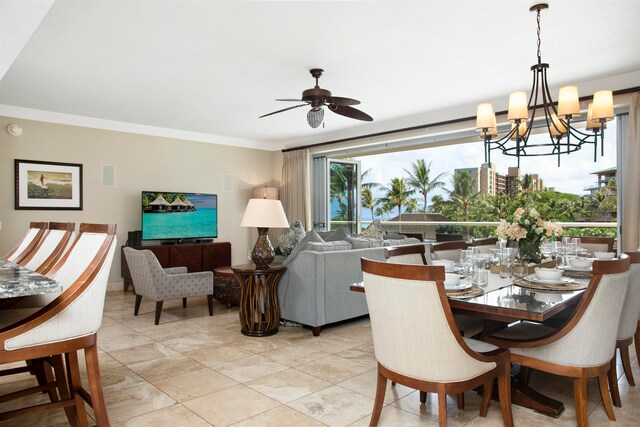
[(488, 181), (427, 231), (604, 176)]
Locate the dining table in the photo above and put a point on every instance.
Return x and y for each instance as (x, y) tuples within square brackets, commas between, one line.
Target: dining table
[(502, 302), (18, 281)]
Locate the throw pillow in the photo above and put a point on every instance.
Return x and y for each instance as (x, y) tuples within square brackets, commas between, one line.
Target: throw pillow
[(311, 237), (339, 234), (394, 236), (291, 238), (374, 230), (364, 242), (329, 246)]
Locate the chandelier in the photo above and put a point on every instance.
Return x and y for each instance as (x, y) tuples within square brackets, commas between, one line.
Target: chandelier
[(563, 137)]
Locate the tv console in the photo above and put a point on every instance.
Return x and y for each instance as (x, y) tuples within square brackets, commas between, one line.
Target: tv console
[(195, 256)]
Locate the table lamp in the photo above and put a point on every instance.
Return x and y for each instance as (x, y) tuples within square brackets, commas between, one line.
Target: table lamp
[(264, 214)]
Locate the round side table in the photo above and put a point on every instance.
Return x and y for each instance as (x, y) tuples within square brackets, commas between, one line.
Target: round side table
[(259, 309)]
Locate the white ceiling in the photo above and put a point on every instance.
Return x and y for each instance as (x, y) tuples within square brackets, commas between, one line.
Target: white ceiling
[(206, 70)]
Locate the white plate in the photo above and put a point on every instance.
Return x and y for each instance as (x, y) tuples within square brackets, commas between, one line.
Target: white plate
[(562, 281), (459, 287), (572, 268)]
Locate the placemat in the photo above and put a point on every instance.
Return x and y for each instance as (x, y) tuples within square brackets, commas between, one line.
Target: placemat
[(576, 274), (577, 286), (472, 292)]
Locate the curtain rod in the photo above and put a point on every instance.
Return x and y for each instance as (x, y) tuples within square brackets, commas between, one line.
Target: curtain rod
[(434, 124)]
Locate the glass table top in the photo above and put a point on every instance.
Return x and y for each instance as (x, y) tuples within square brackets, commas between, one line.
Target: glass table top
[(17, 281)]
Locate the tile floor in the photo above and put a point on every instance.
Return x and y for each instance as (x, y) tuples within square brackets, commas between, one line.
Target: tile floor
[(197, 370)]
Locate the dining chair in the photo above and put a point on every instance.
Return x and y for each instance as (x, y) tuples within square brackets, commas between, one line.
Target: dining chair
[(68, 324), (448, 250), (152, 281), (417, 344), (627, 328), (584, 346), (596, 244), (56, 240), (485, 245), (27, 243)]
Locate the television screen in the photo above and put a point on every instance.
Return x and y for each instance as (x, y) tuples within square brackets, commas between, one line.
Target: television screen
[(179, 215)]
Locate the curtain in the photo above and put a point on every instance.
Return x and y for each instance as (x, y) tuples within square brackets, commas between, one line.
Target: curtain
[(295, 191), (631, 180)]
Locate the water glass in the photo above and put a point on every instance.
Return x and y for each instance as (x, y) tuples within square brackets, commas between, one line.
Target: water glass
[(482, 277), (566, 240), (505, 266)]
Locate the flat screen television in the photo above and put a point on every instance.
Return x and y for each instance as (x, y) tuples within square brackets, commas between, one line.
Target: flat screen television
[(179, 216)]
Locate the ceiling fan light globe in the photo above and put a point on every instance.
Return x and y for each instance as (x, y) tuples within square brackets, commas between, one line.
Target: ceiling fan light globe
[(315, 117)]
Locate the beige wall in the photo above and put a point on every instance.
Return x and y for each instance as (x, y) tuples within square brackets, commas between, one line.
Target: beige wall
[(142, 163)]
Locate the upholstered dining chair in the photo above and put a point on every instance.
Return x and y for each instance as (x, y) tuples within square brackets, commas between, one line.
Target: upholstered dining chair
[(448, 250), (56, 240), (27, 243), (585, 345), (152, 281), (627, 328), (596, 244), (417, 344), (68, 324), (486, 244)]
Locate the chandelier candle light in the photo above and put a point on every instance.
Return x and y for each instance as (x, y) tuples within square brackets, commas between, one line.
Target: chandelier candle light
[(558, 120)]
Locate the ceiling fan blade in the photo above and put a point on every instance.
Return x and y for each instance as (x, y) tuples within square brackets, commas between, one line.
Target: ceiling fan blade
[(284, 109), (350, 112), (338, 100), (290, 100)]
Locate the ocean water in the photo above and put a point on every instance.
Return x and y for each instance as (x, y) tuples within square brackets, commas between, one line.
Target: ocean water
[(187, 225)]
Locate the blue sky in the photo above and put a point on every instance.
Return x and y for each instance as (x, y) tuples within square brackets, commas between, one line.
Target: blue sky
[(573, 175)]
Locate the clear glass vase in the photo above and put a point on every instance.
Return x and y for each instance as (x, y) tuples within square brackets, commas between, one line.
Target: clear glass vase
[(530, 251)]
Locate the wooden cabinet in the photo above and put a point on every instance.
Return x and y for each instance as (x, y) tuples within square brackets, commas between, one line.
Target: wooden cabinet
[(194, 256)]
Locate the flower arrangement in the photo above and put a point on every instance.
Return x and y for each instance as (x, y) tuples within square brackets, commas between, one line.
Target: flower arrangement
[(527, 228)]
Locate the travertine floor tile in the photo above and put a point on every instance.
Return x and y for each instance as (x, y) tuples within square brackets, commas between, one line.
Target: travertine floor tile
[(294, 355), (288, 385), (134, 401), (249, 368), (142, 353), (282, 416), (165, 367), (194, 384), (365, 384), (333, 368), (174, 415), (334, 406), (216, 354)]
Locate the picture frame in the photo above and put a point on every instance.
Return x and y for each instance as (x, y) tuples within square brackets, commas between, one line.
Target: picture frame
[(48, 185)]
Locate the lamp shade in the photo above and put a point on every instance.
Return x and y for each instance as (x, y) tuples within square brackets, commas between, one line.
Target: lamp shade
[(522, 129), (592, 124), (518, 109), (264, 213), (568, 103), (265, 193), (557, 127), (602, 105), (485, 118)]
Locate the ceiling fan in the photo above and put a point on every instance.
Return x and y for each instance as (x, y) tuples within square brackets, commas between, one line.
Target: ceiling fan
[(318, 98)]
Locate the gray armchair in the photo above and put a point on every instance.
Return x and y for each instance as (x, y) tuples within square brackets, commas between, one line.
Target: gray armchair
[(152, 281)]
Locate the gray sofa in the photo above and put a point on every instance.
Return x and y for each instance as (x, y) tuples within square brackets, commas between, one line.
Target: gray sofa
[(315, 291)]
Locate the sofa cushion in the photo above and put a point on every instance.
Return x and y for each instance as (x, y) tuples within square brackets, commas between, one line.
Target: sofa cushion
[(339, 234), (394, 236), (310, 237), (401, 242), (289, 240), (339, 245), (374, 230), (365, 242)]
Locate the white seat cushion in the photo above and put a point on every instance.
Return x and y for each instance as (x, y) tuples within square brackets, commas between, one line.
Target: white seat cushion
[(467, 325), (479, 346)]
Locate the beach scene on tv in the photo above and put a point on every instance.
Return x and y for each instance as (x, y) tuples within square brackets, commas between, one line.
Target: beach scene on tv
[(179, 216)]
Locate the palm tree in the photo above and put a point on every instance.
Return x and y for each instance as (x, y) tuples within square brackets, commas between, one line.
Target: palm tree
[(368, 185), (411, 205), (397, 193), (368, 201), (383, 211), (464, 193), (419, 180)]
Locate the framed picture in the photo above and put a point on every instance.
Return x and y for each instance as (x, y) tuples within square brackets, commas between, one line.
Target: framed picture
[(48, 185)]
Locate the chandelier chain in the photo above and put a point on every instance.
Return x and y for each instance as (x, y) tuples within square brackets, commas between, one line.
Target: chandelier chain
[(538, 32)]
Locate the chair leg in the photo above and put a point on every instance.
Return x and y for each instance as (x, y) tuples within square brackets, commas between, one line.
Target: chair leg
[(136, 309), (442, 406), (487, 391), (381, 388), (44, 376), (184, 303), (604, 394), (63, 388), (460, 400), (73, 375), (636, 340), (423, 396), (95, 386), (580, 397), (158, 311), (626, 364), (210, 304), (613, 383), (504, 392)]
